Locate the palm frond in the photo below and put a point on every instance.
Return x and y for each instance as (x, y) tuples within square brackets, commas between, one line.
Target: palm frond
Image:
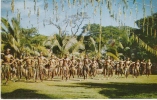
[(77, 46), (112, 55), (121, 45), (71, 41)]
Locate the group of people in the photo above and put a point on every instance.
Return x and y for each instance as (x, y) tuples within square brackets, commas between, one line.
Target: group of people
[(42, 68)]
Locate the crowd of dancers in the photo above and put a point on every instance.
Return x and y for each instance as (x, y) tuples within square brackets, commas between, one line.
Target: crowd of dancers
[(42, 68)]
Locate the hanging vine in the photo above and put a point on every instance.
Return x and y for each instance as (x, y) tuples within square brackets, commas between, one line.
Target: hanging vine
[(7, 15), (69, 4), (24, 4), (34, 6), (53, 2), (95, 11), (144, 14), (125, 2), (100, 11), (62, 5), (80, 2), (18, 17), (144, 45), (70, 22), (99, 53), (151, 7), (88, 26), (12, 6), (74, 2), (109, 6), (29, 13), (44, 23), (56, 9), (45, 5), (38, 12), (92, 1)]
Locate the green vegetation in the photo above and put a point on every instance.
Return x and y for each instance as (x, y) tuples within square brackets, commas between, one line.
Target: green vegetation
[(96, 88), (118, 42), (21, 40)]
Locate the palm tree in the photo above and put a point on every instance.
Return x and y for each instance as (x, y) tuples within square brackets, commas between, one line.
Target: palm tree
[(11, 34), (110, 50), (62, 45), (37, 44), (15, 37)]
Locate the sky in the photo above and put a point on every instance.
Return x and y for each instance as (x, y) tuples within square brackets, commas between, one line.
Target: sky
[(41, 22)]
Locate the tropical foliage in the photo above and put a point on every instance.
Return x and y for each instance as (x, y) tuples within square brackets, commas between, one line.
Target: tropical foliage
[(145, 38), (116, 41), (62, 45), (20, 40)]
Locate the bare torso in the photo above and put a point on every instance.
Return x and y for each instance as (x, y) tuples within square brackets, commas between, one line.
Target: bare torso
[(8, 59)]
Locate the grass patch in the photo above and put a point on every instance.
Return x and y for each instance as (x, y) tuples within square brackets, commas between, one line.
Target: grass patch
[(125, 90), (97, 88)]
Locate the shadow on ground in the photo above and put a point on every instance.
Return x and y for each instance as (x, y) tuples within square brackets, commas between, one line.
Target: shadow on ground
[(24, 94), (124, 90)]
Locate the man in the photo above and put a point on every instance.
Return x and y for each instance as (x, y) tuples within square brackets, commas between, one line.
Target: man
[(117, 69), (127, 66), (65, 67), (72, 69), (19, 67), (104, 67), (13, 71), (79, 68), (93, 67), (108, 67), (86, 63), (2, 67), (52, 65), (143, 67), (122, 65), (113, 65), (8, 59), (133, 69), (42, 61), (148, 68), (59, 66), (35, 68), (28, 66), (137, 68)]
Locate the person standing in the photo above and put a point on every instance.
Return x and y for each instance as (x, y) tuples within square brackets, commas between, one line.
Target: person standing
[(148, 67), (28, 66), (19, 67), (8, 59), (42, 61), (72, 67), (137, 68), (127, 67), (65, 67), (86, 63), (122, 65), (143, 67), (52, 64)]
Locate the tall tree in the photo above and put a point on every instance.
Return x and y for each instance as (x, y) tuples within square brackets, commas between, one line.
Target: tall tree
[(113, 38), (147, 31), (11, 33), (15, 37), (62, 45)]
